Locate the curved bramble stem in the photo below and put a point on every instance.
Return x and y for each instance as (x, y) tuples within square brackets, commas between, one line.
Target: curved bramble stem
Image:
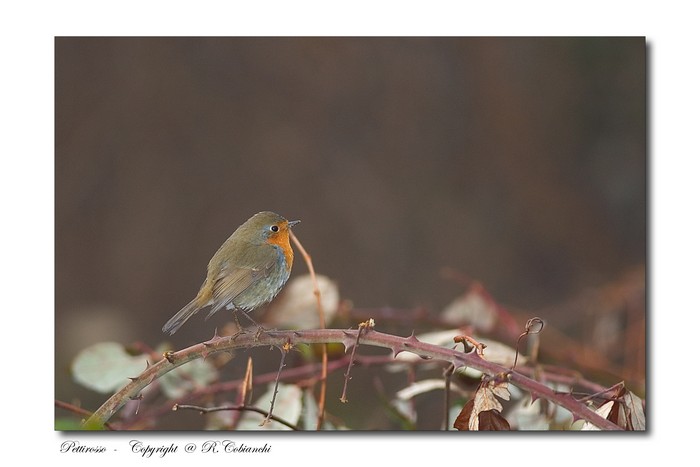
[(369, 337), (322, 325)]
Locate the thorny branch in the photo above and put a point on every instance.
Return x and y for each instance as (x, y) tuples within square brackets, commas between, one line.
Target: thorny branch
[(348, 338)]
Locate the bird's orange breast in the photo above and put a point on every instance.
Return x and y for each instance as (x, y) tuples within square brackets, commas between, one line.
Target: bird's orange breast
[(281, 239)]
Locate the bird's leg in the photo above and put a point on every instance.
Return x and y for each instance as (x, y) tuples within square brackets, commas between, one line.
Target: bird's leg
[(260, 329), (238, 325), (234, 311)]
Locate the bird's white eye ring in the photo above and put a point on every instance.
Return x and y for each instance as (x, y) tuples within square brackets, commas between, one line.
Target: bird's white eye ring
[(274, 228)]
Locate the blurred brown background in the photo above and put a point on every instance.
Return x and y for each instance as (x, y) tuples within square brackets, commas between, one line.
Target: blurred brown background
[(520, 162)]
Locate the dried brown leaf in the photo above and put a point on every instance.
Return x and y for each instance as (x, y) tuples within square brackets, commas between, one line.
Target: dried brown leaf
[(626, 411), (604, 411), (462, 420), (485, 400), (635, 409), (492, 420)]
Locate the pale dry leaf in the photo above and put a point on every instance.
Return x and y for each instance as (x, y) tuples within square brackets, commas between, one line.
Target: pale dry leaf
[(310, 409), (473, 309), (420, 387), (297, 307), (106, 366), (288, 406), (603, 411), (406, 409), (528, 416), (494, 351), (485, 399), (635, 409), (500, 389), (186, 378)]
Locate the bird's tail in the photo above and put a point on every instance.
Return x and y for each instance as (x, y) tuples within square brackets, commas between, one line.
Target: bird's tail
[(181, 316)]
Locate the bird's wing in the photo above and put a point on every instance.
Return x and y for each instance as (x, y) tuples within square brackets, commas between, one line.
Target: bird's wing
[(232, 281)]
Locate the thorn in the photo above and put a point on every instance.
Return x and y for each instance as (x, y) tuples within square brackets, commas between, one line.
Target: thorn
[(133, 379), (348, 340), (412, 337), (576, 417), (169, 356), (214, 339), (175, 407)]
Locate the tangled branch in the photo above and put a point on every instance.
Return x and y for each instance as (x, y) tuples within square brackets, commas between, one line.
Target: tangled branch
[(348, 338)]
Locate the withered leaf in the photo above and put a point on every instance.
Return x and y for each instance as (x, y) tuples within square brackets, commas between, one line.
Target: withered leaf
[(472, 308), (492, 420), (462, 420), (604, 411), (636, 417), (484, 401), (626, 411)]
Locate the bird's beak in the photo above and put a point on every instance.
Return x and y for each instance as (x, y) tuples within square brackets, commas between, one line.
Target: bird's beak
[(291, 224)]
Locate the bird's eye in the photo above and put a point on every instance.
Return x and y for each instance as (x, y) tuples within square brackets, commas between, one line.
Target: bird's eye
[(274, 228)]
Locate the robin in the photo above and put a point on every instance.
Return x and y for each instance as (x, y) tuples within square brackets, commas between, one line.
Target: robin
[(247, 271)]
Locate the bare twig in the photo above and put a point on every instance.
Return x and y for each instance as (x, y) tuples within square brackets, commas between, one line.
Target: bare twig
[(449, 371), (614, 387), (245, 391), (240, 408), (364, 325), (284, 349), (322, 325), (533, 326)]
